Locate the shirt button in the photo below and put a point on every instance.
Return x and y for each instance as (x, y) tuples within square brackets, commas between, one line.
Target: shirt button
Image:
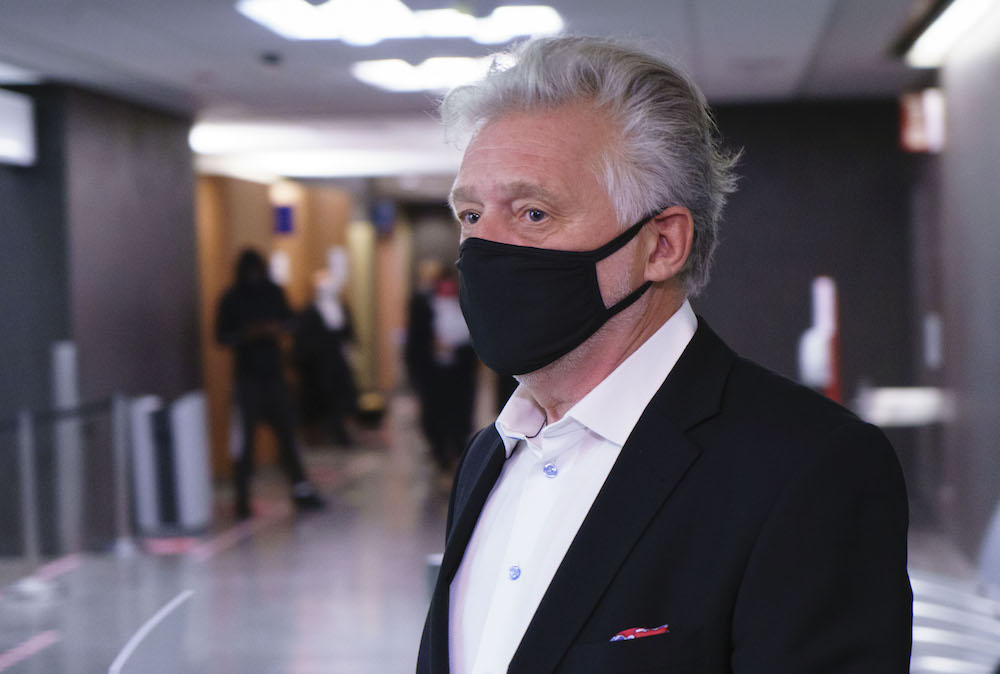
[(550, 470), (514, 572)]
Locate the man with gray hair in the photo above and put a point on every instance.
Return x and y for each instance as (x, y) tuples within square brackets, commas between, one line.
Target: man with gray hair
[(647, 500)]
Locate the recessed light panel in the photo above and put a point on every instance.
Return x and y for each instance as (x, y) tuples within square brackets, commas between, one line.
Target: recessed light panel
[(367, 22), (435, 74)]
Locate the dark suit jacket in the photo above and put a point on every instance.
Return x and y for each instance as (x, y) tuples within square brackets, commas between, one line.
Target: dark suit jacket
[(765, 524)]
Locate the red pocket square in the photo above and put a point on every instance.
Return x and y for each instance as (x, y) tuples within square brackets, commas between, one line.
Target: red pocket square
[(638, 632)]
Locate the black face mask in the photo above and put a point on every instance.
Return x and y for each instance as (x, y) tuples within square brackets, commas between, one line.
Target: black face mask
[(527, 307)]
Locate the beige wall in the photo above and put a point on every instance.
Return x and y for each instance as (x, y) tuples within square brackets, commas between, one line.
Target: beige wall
[(394, 257), (360, 240), (231, 215)]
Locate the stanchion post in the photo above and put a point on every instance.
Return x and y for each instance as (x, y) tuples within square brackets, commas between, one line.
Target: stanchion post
[(29, 498), (124, 545), (30, 587)]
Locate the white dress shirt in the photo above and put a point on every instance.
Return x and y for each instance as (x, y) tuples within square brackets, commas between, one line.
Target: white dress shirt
[(546, 487)]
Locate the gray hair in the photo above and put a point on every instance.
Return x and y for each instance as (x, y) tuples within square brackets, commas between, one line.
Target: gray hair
[(667, 151)]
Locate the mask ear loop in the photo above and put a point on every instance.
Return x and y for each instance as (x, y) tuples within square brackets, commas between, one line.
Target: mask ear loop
[(545, 420), (622, 239), (628, 300), (613, 246)]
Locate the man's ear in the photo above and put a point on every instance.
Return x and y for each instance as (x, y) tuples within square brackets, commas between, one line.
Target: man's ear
[(674, 228)]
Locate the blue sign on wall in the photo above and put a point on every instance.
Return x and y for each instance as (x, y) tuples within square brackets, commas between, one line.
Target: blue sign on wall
[(383, 216), (283, 220)]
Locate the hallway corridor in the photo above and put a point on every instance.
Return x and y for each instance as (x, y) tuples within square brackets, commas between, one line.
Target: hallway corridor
[(345, 591)]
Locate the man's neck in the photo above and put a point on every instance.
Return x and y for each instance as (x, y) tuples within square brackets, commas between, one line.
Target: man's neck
[(560, 385)]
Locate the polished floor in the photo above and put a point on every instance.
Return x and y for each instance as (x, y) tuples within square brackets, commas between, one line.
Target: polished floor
[(345, 590)]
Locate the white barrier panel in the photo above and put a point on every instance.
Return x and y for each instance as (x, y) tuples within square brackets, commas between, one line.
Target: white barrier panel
[(173, 491), (194, 489), (144, 461)]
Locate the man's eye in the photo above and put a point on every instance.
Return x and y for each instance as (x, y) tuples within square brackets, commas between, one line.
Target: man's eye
[(468, 218), (536, 215)]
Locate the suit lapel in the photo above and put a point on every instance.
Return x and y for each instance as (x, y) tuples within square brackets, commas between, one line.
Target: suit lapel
[(470, 497), (469, 502), (649, 467)]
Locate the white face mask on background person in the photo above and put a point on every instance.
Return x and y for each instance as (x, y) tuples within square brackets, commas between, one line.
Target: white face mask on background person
[(328, 304)]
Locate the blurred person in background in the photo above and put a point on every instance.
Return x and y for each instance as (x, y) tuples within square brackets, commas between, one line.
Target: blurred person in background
[(420, 338), (647, 500), (253, 317), (323, 333), (442, 364)]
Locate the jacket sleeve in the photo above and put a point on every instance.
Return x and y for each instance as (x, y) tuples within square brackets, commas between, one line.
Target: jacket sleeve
[(825, 587)]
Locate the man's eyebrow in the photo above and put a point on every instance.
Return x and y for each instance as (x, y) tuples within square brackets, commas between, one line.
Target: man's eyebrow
[(520, 189), (517, 189), (460, 193)]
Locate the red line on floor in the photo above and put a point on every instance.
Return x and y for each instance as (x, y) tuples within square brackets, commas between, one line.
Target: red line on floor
[(58, 567), (22, 652), (235, 534)]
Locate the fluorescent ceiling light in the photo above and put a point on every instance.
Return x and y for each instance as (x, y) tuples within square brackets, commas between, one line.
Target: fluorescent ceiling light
[(507, 22), (435, 74), (367, 22), (221, 137), (261, 149), (328, 163), (934, 44)]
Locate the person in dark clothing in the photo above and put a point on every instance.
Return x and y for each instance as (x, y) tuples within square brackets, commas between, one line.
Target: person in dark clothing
[(420, 336), (442, 366), (253, 315), (323, 332)]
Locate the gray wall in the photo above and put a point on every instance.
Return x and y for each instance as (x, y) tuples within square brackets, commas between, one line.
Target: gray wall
[(133, 261), (824, 190), (33, 289), (33, 262), (970, 240), (98, 247)]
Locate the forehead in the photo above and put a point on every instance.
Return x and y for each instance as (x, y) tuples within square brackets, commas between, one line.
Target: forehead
[(552, 151)]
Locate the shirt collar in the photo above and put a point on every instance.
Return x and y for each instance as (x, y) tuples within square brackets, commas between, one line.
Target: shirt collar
[(613, 407), (520, 418)]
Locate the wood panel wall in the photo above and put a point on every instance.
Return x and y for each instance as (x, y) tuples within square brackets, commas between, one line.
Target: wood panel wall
[(234, 214), (394, 260)]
